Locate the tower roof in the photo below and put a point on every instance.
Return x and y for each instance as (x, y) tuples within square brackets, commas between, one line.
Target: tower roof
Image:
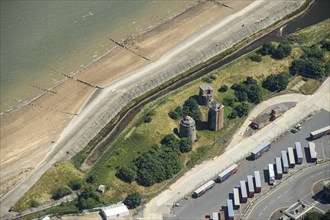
[(215, 106), (187, 120), (206, 87)]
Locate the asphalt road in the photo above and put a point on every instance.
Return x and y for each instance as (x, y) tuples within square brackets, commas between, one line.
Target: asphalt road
[(215, 198), (299, 187)]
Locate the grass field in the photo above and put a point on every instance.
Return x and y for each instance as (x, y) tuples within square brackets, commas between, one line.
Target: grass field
[(138, 137), (57, 176)]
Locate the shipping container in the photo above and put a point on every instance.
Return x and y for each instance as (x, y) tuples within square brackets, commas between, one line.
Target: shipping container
[(222, 215), (230, 209), (257, 181), (320, 132), (278, 164), (201, 190), (285, 162), (215, 216), (227, 172), (250, 186), (291, 158), (271, 174), (236, 198), (299, 153), (258, 151), (243, 191), (312, 151)]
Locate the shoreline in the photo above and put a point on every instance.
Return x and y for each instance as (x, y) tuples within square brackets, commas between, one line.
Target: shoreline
[(125, 40)]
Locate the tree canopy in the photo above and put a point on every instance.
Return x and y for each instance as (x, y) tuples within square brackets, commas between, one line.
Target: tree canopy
[(133, 200), (127, 173), (248, 90), (60, 193), (276, 82), (190, 107)]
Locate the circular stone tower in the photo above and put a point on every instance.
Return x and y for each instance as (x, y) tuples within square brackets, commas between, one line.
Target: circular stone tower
[(188, 128)]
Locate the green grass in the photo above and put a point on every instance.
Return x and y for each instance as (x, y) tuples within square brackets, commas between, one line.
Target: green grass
[(58, 176), (311, 35)]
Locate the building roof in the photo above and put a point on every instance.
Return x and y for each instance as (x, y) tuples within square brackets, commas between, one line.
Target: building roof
[(187, 120), (261, 119), (215, 106), (114, 210), (206, 87)]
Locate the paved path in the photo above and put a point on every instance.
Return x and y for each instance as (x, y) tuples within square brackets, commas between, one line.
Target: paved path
[(104, 104), (209, 169)]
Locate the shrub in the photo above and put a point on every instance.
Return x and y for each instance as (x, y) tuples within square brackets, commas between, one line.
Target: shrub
[(267, 49), (276, 82), (185, 145), (34, 203), (228, 101), (223, 88), (133, 200), (176, 113), (92, 179), (283, 50), (75, 184), (126, 173), (242, 109), (233, 114), (60, 193), (256, 58)]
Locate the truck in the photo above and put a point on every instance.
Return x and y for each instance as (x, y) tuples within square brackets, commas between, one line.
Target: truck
[(201, 190), (319, 133), (271, 174), (236, 198), (250, 186), (285, 161), (278, 165), (227, 172), (299, 153), (243, 191), (230, 209), (312, 151), (258, 151), (215, 216), (292, 161), (257, 181)]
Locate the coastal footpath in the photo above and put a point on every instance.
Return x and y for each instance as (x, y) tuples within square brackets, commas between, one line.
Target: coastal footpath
[(105, 103)]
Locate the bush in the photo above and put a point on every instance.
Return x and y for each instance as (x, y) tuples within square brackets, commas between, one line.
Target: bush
[(223, 88), (228, 101), (242, 109), (233, 114), (60, 193), (248, 90), (326, 45), (185, 145), (127, 174), (276, 82), (283, 50), (34, 203), (310, 67), (88, 198), (190, 107), (92, 179), (267, 49), (176, 113), (75, 184), (133, 200), (255, 58)]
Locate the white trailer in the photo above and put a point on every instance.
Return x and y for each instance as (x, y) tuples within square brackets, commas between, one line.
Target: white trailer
[(285, 161), (292, 161), (215, 216), (278, 164), (243, 191), (299, 153), (201, 190), (312, 151), (236, 198), (257, 181), (250, 186), (271, 174), (230, 209)]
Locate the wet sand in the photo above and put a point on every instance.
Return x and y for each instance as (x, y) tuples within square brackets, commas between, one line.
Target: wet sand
[(29, 133)]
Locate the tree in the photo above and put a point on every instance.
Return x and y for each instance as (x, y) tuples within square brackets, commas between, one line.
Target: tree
[(310, 67), (75, 184), (255, 58), (313, 216), (223, 88), (283, 50), (242, 109), (313, 52), (34, 203), (133, 200), (254, 93), (276, 82), (92, 179), (228, 101), (267, 49), (176, 113), (233, 114), (171, 161), (185, 145), (326, 45), (60, 193), (88, 198), (126, 173), (191, 108)]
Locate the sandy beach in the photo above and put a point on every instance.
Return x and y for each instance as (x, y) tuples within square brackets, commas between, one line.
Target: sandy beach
[(29, 133)]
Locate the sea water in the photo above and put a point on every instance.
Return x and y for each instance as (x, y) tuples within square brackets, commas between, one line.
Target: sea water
[(67, 36)]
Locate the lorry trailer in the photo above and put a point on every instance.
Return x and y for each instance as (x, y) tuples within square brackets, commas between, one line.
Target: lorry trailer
[(257, 181), (201, 190), (236, 198), (292, 161), (320, 132), (299, 153), (258, 151), (312, 151), (278, 164), (250, 186), (215, 216), (227, 172), (243, 191), (271, 174), (230, 209), (285, 161)]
